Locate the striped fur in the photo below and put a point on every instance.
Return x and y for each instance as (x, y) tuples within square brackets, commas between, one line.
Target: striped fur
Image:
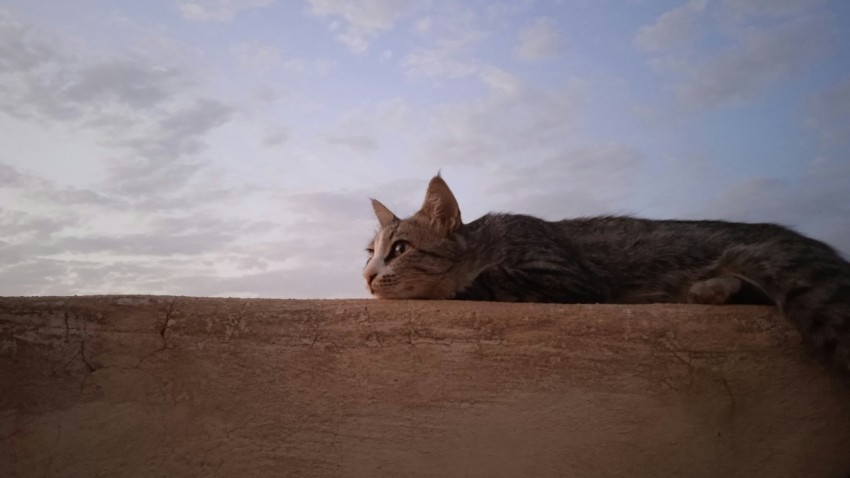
[(518, 258)]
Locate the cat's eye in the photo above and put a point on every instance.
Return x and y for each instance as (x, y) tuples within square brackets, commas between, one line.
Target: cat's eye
[(399, 247)]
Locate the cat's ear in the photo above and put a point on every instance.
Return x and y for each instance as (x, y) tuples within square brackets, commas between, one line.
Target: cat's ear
[(385, 216), (440, 207)]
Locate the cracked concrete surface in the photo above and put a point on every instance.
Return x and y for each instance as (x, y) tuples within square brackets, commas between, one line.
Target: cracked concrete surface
[(176, 386)]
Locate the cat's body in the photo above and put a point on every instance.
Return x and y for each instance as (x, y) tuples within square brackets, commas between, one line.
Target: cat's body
[(507, 257)]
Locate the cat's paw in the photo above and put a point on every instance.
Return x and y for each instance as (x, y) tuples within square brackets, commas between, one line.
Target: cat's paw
[(717, 290)]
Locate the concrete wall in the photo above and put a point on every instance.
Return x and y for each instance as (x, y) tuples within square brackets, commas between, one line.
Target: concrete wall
[(163, 386)]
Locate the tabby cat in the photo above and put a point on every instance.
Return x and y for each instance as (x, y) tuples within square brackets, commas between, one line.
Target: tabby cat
[(518, 258)]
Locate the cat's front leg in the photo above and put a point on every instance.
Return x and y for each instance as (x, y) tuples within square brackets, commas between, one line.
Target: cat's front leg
[(717, 290)]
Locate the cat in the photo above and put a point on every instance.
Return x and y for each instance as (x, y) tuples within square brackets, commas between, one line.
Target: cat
[(611, 259)]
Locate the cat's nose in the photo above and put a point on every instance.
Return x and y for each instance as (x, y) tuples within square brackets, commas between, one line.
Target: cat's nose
[(370, 276)]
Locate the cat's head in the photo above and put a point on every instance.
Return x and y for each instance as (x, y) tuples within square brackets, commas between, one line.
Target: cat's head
[(414, 258)]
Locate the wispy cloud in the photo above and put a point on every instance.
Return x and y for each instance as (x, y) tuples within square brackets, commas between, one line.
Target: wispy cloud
[(770, 8), (829, 114), (557, 187), (451, 44), (508, 126), (260, 58), (810, 204), (361, 21), (218, 11), (766, 56), (674, 29), (755, 60), (539, 40), (154, 121)]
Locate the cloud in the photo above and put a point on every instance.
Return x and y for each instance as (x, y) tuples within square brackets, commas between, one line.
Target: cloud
[(173, 276), (77, 197), (758, 59), (158, 216), (829, 114), (365, 130), (263, 59), (317, 254), (539, 40), (34, 277), (363, 20), (151, 121), (770, 8), (674, 29), (256, 57), (19, 223), (159, 158), (500, 81), (330, 206), (83, 259), (25, 55), (359, 144), (148, 244), (218, 11), (135, 83), (449, 54), (444, 61), (44, 78), (810, 204), (509, 125), (23, 48), (276, 136), (283, 283), (150, 114), (46, 191), (12, 178), (588, 180), (767, 55), (196, 234), (507, 11), (511, 122)]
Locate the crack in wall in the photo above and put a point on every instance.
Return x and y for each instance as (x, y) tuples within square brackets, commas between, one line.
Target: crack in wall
[(164, 330), (163, 333), (81, 330), (67, 327), (83, 338), (231, 328), (316, 332), (91, 368)]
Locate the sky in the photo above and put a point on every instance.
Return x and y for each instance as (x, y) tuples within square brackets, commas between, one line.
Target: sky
[(230, 147)]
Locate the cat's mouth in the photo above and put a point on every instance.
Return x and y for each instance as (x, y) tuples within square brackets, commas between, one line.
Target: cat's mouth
[(378, 294), (374, 291)]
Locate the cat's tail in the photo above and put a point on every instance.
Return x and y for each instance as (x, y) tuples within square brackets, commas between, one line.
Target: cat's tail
[(810, 283)]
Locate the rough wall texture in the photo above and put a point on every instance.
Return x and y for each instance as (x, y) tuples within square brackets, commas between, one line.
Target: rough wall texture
[(164, 386)]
